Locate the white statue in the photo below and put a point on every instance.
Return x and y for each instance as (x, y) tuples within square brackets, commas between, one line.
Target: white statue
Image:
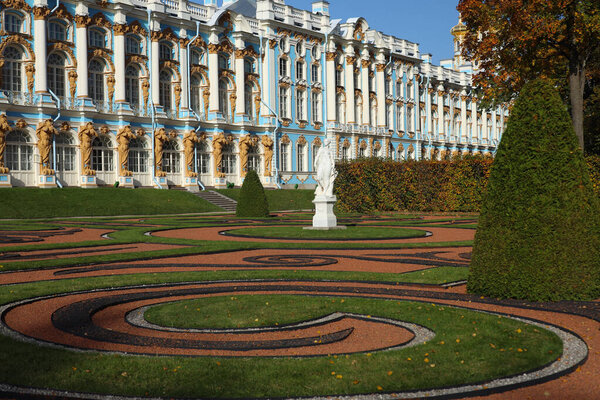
[(325, 170)]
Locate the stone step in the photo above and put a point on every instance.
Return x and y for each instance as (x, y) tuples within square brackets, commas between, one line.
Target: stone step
[(218, 199)]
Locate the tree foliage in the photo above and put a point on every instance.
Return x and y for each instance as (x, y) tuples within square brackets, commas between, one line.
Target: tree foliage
[(252, 202), (538, 236), (516, 41)]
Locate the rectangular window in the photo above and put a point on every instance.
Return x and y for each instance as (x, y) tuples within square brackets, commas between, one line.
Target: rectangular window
[(138, 161), (132, 46), (284, 157), (299, 70), (300, 159), (56, 31), (283, 102), (203, 163), (283, 70), (300, 106), (316, 107), (315, 73), (12, 23), (97, 38)]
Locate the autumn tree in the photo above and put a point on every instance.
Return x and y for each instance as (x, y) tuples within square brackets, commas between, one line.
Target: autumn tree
[(516, 41)]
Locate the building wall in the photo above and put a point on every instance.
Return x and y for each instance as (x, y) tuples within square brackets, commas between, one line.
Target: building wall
[(162, 93)]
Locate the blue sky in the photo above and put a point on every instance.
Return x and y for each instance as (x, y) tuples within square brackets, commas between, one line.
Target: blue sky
[(427, 22)]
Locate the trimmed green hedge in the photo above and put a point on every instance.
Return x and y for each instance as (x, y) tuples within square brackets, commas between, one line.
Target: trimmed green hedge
[(370, 185), (252, 201), (538, 236), (373, 184)]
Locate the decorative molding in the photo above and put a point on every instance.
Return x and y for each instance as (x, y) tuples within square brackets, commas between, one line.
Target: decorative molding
[(165, 34), (40, 13), (16, 39), (62, 13), (331, 56), (17, 5), (60, 46), (82, 21), (101, 53)]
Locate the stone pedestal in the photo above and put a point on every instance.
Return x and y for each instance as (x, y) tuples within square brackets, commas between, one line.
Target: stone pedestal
[(221, 183), (47, 181), (191, 184), (126, 182), (324, 218), (88, 181), (5, 180), (162, 180)]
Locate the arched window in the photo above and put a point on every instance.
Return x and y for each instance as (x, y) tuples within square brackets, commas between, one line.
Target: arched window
[(102, 154), (12, 69), (358, 109), (138, 155), (164, 87), (254, 159), (97, 37), (469, 127), (248, 88), (489, 127), (376, 151), (19, 151), (345, 153), (172, 157), (56, 74), (65, 153), (410, 119), (203, 158), (13, 22), (165, 51), (434, 123), (388, 114), (249, 66), (133, 45), (196, 94), (301, 157), (198, 57), (456, 124), (229, 160), (400, 117), (224, 61), (446, 123), (96, 80), (223, 100), (361, 150), (132, 86), (57, 30)]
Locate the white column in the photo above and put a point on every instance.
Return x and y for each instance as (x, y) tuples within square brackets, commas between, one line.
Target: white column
[(119, 68), (475, 120), (155, 71), (268, 80), (463, 116), (429, 111), (213, 76), (240, 80), (331, 88), (82, 61), (364, 75), (441, 111), (494, 125), (380, 81), (39, 48), (184, 62), (350, 98)]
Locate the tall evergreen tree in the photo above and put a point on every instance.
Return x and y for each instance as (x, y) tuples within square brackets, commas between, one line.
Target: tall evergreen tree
[(252, 201), (539, 230)]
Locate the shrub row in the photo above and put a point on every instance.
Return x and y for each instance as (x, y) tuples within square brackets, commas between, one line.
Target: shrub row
[(372, 184)]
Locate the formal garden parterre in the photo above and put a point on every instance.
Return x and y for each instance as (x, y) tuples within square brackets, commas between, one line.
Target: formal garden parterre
[(167, 306)]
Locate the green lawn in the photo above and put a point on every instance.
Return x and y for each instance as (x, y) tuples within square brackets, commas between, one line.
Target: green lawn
[(40, 203), (281, 200), (351, 233)]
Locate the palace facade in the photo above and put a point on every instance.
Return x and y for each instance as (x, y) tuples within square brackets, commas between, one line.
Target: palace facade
[(175, 93)]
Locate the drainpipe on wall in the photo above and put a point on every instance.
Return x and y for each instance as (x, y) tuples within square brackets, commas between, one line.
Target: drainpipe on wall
[(190, 104), (277, 123), (152, 110)]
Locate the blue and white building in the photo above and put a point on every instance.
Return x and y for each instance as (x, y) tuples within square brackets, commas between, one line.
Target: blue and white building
[(209, 91)]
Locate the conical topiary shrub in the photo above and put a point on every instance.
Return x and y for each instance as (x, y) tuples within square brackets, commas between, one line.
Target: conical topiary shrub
[(252, 201), (539, 231)]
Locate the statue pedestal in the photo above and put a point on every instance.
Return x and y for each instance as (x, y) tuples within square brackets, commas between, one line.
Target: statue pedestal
[(220, 183), (47, 181), (324, 218), (191, 184), (160, 182), (88, 181), (126, 182), (5, 180)]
